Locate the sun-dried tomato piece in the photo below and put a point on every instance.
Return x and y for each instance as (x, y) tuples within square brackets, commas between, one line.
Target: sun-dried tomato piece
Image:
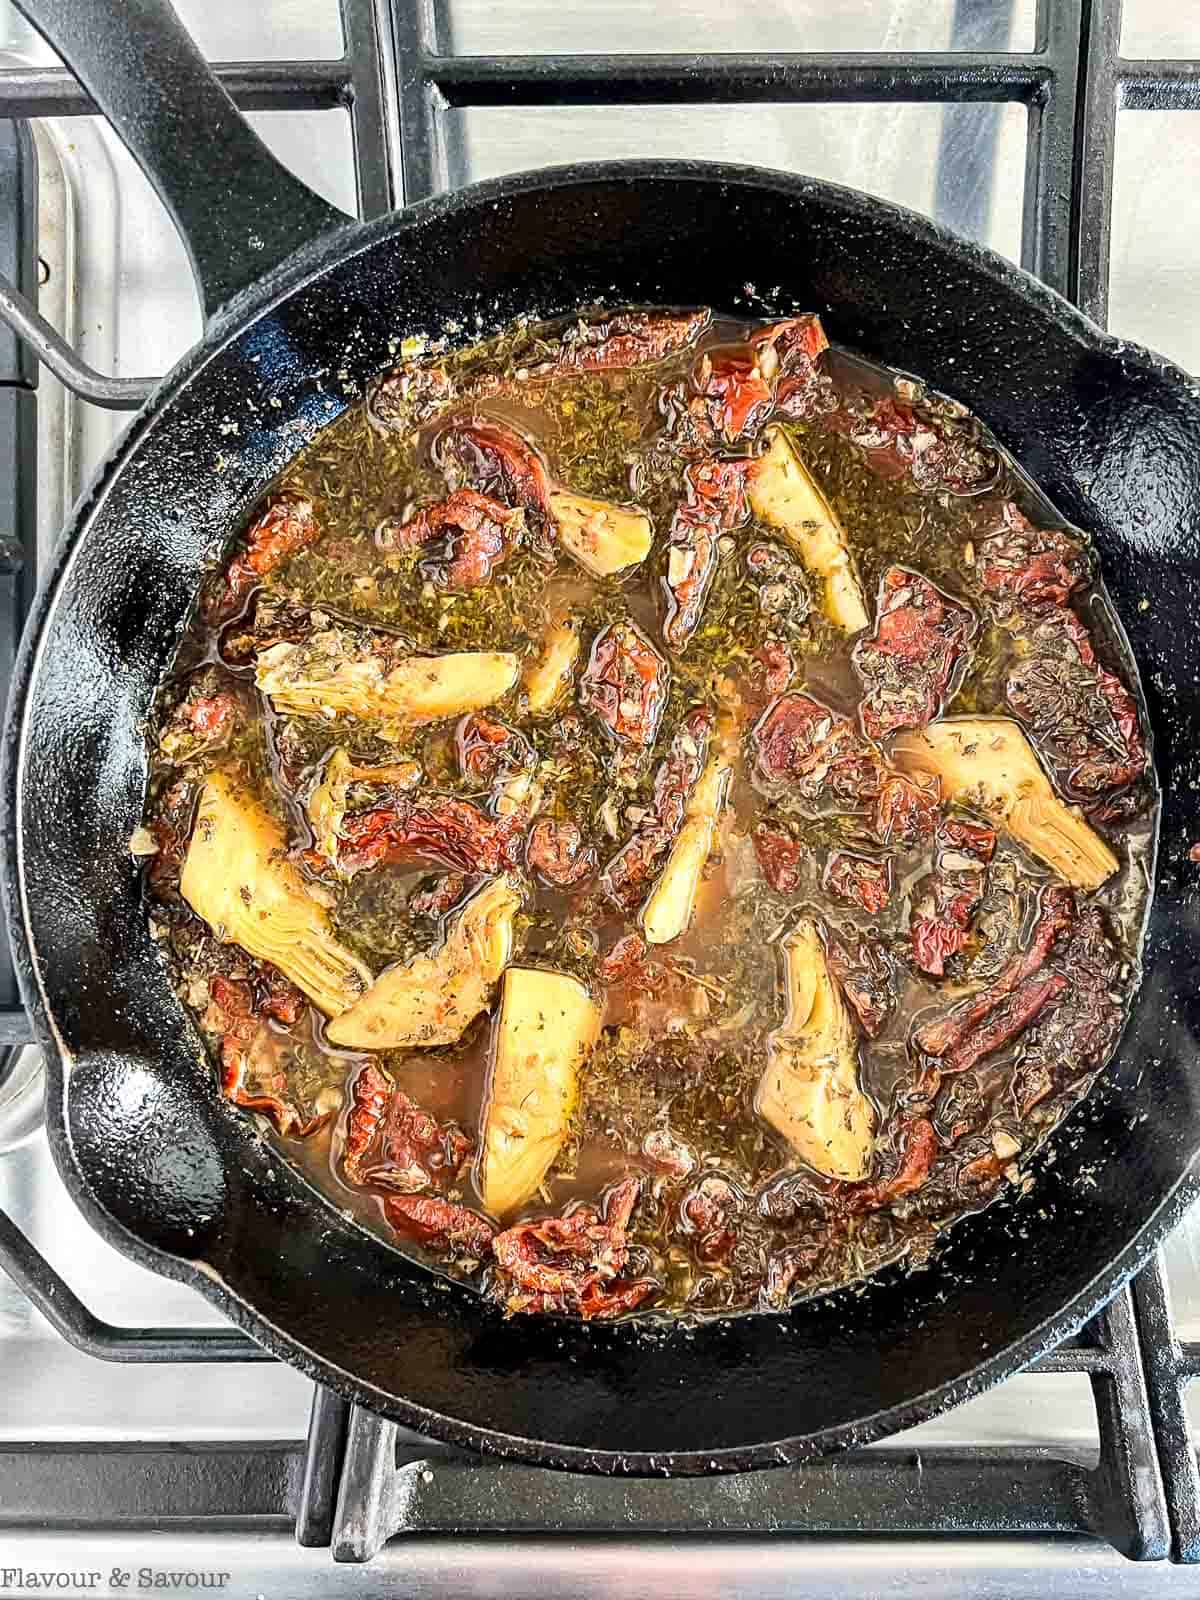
[(717, 486), (204, 720), (866, 980), (782, 347), (668, 1152), (255, 1062), (369, 1097), (287, 525), (1040, 566), (1007, 1019), (706, 1214), (417, 1149), (779, 856), (491, 752), (803, 389), (814, 751), (861, 880), (906, 809), (927, 442), (735, 388), (171, 829), (409, 396), (921, 635), (440, 1225), (945, 902), (259, 1077), (1082, 715), (956, 836), (680, 769), (938, 936), (246, 1001), (556, 850), (595, 1304), (626, 339), (783, 1268), (480, 535), (778, 666), (476, 532), (452, 833), (1056, 915), (277, 997), (625, 684), (714, 503), (481, 745), (599, 1303), (1032, 1081), (919, 1149), (941, 920), (1079, 1033), (626, 963), (198, 725), (211, 717), (570, 1262), (231, 1014), (708, 1204), (488, 750), (627, 872), (501, 464), (983, 1173), (769, 673), (736, 395), (414, 394)]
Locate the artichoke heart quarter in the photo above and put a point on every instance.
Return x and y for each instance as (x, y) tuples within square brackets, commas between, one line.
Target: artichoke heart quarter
[(668, 912), (548, 1026), (237, 877), (809, 1091), (330, 676), (433, 999), (604, 538), (989, 764), (783, 493)]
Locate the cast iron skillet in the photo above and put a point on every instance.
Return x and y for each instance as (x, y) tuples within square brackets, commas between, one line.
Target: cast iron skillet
[(302, 308)]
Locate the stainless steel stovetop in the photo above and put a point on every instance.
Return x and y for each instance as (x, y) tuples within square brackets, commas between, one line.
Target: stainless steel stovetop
[(115, 283)]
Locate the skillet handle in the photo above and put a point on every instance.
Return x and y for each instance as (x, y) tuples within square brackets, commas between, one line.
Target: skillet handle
[(238, 211)]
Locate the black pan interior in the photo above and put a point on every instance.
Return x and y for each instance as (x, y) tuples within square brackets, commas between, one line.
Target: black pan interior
[(176, 1178)]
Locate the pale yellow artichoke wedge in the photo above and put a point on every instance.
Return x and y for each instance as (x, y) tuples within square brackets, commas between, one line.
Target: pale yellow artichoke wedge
[(603, 537), (547, 1028), (987, 763), (548, 676), (668, 911), (809, 1092), (783, 493), (238, 879), (329, 676), (433, 999)]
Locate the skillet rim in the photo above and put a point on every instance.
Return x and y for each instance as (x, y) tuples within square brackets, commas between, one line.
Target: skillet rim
[(300, 269)]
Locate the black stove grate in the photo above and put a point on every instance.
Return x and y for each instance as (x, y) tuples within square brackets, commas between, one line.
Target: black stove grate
[(394, 1485), (360, 1480)]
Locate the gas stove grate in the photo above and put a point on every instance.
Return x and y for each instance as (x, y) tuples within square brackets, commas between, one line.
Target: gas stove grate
[(393, 1485), (361, 1481)]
